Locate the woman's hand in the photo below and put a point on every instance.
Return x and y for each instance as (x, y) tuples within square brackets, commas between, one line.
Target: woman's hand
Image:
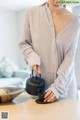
[(36, 68), (49, 96)]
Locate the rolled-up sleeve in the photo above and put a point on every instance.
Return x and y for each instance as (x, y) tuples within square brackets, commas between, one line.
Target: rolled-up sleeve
[(25, 44)]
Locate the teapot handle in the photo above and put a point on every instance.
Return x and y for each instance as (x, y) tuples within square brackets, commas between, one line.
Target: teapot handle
[(38, 74)]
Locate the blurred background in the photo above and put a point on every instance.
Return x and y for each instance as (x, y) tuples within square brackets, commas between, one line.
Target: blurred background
[(12, 14)]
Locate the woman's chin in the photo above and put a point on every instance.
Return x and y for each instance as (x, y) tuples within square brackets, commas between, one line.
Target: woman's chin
[(57, 5)]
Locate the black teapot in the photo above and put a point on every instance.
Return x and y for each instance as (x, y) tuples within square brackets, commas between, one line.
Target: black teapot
[(35, 85)]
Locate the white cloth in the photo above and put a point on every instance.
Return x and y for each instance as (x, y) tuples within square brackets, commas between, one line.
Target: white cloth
[(54, 54)]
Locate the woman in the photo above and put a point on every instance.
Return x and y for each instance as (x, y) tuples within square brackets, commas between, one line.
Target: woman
[(49, 44)]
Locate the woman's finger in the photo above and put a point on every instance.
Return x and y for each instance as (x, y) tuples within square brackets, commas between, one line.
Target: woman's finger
[(49, 96), (47, 93), (51, 99), (36, 68), (39, 71)]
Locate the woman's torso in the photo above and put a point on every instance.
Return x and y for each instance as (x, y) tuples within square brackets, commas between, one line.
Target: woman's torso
[(43, 40)]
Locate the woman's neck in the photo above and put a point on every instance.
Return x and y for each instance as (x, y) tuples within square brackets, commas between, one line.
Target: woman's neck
[(55, 10)]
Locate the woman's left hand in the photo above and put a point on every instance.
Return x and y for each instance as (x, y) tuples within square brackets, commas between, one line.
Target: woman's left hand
[(49, 96)]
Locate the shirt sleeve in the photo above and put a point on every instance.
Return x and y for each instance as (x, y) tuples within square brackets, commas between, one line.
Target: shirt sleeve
[(25, 44), (64, 72)]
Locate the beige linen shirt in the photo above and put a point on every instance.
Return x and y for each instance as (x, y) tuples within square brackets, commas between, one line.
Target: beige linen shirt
[(54, 54)]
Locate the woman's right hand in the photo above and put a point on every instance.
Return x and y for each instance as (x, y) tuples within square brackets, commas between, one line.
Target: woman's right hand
[(36, 68)]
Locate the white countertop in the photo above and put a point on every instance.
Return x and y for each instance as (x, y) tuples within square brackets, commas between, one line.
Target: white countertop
[(25, 108)]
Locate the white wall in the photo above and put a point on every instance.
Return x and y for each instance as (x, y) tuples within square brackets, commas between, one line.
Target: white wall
[(8, 35), (11, 27), (20, 21)]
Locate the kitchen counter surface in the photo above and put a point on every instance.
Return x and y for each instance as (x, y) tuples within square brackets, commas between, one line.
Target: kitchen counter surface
[(24, 107)]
